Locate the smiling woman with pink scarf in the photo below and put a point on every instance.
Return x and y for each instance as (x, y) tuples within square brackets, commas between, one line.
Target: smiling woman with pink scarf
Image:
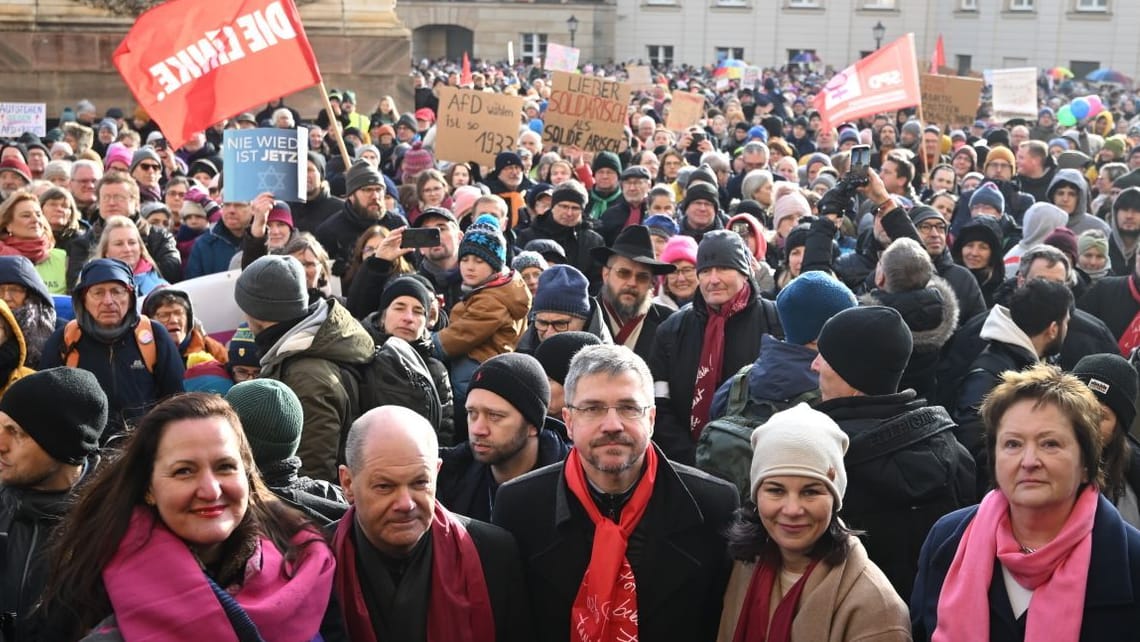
[(1044, 556), (179, 539)]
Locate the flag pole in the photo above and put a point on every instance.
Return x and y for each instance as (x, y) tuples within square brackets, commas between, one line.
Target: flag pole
[(334, 122)]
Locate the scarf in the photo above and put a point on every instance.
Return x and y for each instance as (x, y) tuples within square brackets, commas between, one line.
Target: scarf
[(143, 266), (627, 326), (460, 606), (712, 359), (609, 578), (1130, 338), (36, 250), (634, 217), (754, 625), (1056, 573), (157, 587)]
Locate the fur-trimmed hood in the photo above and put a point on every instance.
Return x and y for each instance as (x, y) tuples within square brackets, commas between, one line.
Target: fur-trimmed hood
[(931, 313)]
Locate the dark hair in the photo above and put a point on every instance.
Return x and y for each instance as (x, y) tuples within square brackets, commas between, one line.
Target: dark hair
[(1038, 304), (748, 540), (1115, 456), (90, 534), (1045, 384), (903, 167)]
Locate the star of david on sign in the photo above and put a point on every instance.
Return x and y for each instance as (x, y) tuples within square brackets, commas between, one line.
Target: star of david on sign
[(271, 180)]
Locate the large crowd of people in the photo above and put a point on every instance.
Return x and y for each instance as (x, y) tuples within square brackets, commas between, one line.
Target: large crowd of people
[(725, 383)]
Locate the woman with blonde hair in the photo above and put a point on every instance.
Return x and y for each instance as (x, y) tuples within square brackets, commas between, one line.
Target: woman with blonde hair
[(121, 240), (386, 111)]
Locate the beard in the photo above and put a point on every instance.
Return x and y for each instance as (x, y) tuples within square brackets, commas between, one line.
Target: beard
[(1128, 235), (505, 452), (624, 310), (1053, 348)]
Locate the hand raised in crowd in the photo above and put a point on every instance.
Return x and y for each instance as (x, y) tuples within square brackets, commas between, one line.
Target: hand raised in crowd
[(389, 248), (874, 190), (260, 208)]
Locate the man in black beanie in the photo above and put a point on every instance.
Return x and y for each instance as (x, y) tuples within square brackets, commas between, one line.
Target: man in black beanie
[(567, 225), (1114, 381), (905, 468), (363, 208), (701, 211), (319, 205), (509, 431), (555, 355), (50, 424)]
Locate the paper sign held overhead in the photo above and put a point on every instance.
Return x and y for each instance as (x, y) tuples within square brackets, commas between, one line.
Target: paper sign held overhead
[(586, 112), (1015, 93), (475, 125), (639, 77), (949, 100), (685, 111), (265, 160), (17, 118), (561, 58)]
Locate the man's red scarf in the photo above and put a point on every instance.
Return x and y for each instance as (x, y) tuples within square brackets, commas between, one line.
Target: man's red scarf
[(627, 326), (460, 606), (1130, 338), (605, 609), (712, 359)]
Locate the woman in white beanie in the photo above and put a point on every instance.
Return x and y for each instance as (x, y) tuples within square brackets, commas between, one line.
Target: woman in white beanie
[(793, 554)]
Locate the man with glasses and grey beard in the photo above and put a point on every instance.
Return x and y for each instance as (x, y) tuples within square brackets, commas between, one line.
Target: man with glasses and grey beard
[(627, 288)]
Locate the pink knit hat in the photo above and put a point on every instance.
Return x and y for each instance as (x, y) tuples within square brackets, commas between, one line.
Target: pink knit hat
[(117, 152), (463, 199), (680, 248)]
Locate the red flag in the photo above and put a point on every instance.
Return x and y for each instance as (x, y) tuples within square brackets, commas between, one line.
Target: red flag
[(886, 80), (191, 63), (939, 57), (465, 77)]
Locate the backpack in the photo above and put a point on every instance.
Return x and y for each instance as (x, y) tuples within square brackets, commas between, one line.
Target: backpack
[(144, 337), (396, 375), (725, 445)]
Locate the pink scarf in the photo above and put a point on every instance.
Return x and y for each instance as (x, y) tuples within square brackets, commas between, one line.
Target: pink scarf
[(36, 250), (1057, 574), (159, 592)]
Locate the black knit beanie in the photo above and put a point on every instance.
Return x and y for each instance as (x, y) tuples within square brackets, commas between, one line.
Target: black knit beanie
[(869, 346), (1114, 382), (407, 286), (520, 380), (63, 409), (556, 352)]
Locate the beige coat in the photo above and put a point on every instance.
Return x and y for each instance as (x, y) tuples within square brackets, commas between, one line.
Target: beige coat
[(860, 600)]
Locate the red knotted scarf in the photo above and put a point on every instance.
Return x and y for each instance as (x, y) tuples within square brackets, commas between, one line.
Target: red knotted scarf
[(460, 606), (1130, 338), (754, 621), (712, 359), (605, 609)]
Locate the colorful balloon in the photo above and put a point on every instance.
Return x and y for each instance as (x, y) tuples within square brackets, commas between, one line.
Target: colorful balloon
[(1065, 116), (1080, 108), (1095, 106)]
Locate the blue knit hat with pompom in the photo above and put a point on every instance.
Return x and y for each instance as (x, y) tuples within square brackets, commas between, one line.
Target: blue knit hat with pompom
[(485, 240)]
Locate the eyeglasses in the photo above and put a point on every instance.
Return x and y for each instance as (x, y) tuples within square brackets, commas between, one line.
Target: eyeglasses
[(150, 167), (11, 290), (560, 325), (687, 272), (115, 198), (628, 411), (626, 274), (927, 228)]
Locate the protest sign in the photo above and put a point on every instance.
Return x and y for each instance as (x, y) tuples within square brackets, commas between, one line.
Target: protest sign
[(17, 118), (561, 58), (265, 160), (948, 100), (1015, 93), (685, 111), (886, 80), (214, 306), (586, 112), (751, 78), (192, 63), (639, 77), (475, 125)]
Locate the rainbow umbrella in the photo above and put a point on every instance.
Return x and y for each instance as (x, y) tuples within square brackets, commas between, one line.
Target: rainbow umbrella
[(1109, 76), (730, 68), (1060, 73)]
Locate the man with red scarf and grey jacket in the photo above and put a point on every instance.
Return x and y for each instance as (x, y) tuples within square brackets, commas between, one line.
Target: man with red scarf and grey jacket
[(697, 348)]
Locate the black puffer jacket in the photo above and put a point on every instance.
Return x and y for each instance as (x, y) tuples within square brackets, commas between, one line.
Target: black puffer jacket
[(905, 470), (320, 501), (575, 241), (338, 234), (677, 352)]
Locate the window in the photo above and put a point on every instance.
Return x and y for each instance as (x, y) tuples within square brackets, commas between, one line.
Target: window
[(670, 3), (800, 4), (532, 47), (879, 4), (1021, 5), (965, 64), (969, 5), (731, 3), (724, 53), (660, 54), (1092, 5)]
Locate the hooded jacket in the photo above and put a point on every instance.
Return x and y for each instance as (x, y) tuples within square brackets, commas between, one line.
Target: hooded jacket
[(37, 317), (781, 372), (306, 359), (987, 230), (488, 321), (196, 340), (576, 241), (16, 355), (1040, 221), (1081, 220), (213, 251), (1121, 261), (931, 313), (905, 470)]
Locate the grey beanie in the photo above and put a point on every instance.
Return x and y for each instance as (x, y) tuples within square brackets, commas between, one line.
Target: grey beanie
[(144, 153), (724, 249), (273, 288), (271, 417), (360, 175)]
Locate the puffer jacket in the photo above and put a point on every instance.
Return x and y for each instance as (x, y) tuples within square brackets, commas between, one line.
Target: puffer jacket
[(213, 251), (905, 470), (488, 321), (306, 359), (320, 501), (16, 358)]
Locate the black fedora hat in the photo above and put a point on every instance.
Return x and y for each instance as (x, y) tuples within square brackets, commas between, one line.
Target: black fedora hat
[(634, 244)]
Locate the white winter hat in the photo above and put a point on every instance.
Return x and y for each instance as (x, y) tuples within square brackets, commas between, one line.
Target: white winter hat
[(801, 442)]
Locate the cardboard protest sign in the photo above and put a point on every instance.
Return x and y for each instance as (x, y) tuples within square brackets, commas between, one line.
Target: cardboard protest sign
[(886, 80), (751, 78), (1015, 93), (475, 125), (561, 58), (585, 111), (17, 118), (639, 77), (685, 111), (265, 160), (948, 100)]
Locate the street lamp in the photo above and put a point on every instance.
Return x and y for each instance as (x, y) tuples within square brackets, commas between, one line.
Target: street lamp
[(878, 31), (572, 25)]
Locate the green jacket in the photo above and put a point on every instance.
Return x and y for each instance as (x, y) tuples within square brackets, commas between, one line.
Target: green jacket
[(306, 359)]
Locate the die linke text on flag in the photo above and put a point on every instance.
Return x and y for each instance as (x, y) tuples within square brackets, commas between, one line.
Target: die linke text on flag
[(192, 63), (886, 80)]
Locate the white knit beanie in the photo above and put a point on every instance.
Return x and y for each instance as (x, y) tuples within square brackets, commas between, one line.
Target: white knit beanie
[(793, 204), (801, 442)]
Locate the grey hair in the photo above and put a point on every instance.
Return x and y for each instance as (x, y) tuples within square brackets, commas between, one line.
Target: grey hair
[(754, 147), (530, 133), (610, 360), (283, 112), (358, 435), (753, 181), (90, 164), (58, 169), (906, 266), (1050, 255), (1114, 170), (716, 160)]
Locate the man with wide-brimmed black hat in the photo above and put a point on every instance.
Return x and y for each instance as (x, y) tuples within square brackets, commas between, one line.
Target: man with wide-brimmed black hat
[(627, 289)]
